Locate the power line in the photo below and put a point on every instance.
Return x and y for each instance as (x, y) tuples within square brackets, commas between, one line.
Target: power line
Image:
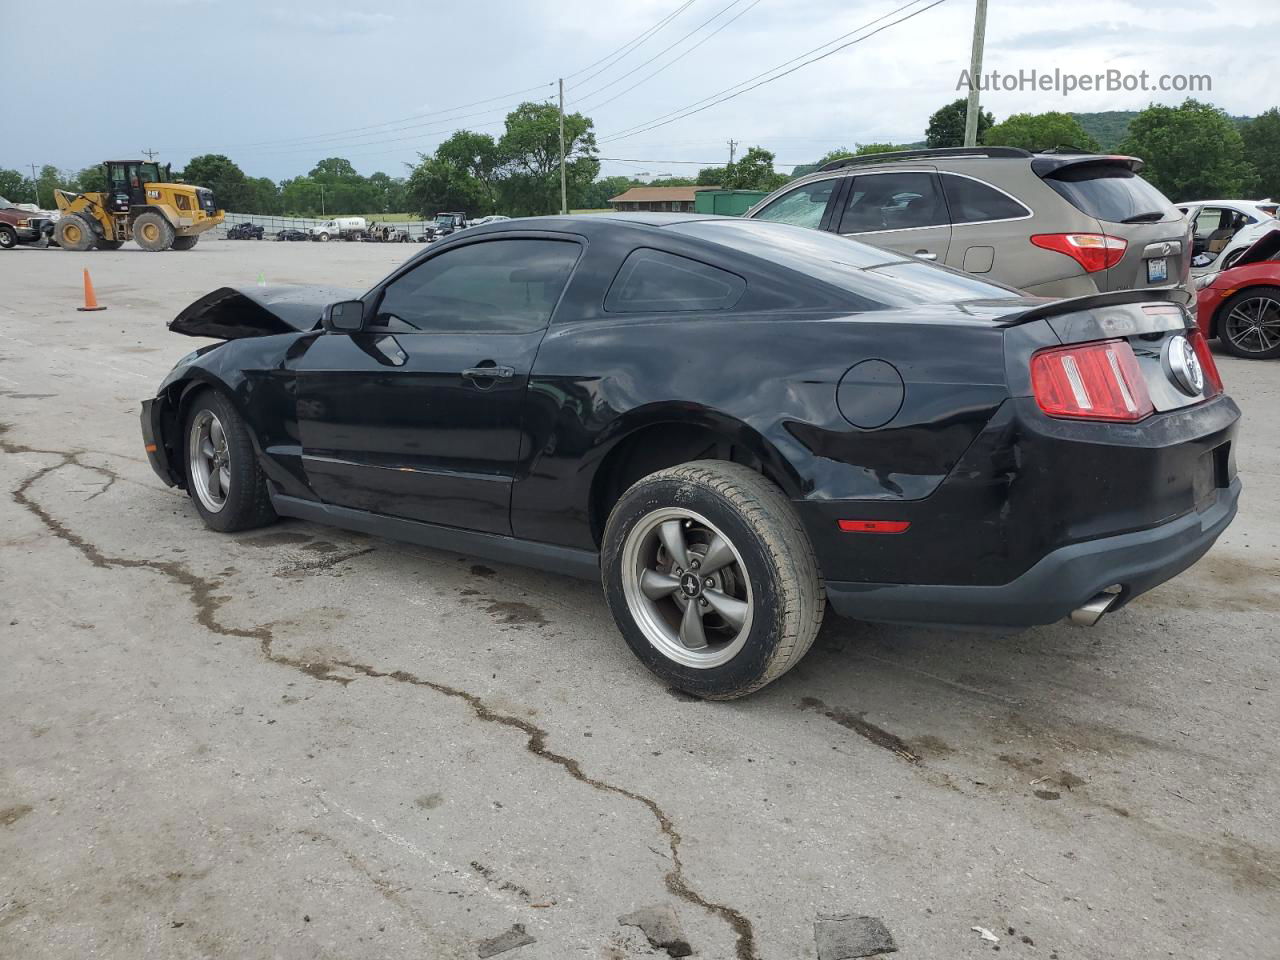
[(633, 44), (669, 47), (674, 60), (725, 94)]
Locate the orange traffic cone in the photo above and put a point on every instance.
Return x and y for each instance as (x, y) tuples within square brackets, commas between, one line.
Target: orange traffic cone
[(90, 301)]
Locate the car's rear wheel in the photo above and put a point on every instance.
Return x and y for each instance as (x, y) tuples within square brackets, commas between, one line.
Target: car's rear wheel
[(224, 480), (1249, 324), (711, 578)]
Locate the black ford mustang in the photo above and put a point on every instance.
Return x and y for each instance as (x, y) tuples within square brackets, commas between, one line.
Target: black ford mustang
[(732, 423)]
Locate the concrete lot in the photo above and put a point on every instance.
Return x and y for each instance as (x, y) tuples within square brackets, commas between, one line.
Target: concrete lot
[(298, 742)]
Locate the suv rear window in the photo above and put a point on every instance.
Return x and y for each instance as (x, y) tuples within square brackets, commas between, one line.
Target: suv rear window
[(1110, 192)]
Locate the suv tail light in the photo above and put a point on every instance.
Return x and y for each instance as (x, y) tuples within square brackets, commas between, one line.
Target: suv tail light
[(1090, 381), (1093, 251), (1212, 378)]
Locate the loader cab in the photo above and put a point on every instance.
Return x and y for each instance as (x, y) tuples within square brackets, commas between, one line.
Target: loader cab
[(127, 180)]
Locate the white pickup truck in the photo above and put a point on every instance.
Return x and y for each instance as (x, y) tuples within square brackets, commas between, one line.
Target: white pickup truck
[(340, 228)]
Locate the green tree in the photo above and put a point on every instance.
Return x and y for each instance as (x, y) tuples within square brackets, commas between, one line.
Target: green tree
[(868, 148), (437, 185), (16, 188), (1191, 151), (946, 126), (92, 179), (302, 197), (597, 194), (710, 176), (1040, 131), (1261, 138), (753, 172), (529, 151), (230, 186)]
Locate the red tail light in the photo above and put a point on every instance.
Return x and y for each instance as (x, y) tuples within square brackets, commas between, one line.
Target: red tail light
[(1090, 381), (1212, 378), (1093, 251), (875, 526)]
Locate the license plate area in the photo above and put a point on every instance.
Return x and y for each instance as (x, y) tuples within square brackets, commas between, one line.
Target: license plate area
[(1214, 471), (1157, 270)]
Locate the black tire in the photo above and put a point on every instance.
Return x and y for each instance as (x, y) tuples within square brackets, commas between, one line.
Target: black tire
[(73, 232), (109, 244), (185, 243), (775, 570), (247, 504), (8, 237), (323, 238), (1240, 335), (153, 232)]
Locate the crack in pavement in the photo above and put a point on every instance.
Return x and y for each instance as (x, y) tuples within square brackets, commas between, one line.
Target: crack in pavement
[(205, 600)]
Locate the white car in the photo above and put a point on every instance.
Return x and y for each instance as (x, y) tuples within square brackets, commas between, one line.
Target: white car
[(1204, 265), (1218, 221)]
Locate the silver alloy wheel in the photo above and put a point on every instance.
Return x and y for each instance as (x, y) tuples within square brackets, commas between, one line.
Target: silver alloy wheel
[(1253, 325), (687, 588), (210, 461)]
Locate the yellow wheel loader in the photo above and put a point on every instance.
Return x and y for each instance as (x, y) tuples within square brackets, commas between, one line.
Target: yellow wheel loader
[(139, 204)]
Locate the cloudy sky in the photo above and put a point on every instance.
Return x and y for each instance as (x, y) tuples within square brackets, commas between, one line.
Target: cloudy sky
[(278, 85)]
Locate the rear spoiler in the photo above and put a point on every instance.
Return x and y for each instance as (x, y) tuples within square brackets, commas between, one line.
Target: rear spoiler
[(1050, 165), (1095, 301)]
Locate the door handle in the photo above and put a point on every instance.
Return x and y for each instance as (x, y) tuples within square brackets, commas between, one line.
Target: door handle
[(926, 255), (488, 370)]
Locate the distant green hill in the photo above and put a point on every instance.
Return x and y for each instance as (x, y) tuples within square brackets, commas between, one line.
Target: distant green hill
[(1110, 126)]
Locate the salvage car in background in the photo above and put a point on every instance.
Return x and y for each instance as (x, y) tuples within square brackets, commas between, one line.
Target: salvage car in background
[(19, 225), (1240, 305), (244, 231), (290, 233), (732, 423), (1054, 224)]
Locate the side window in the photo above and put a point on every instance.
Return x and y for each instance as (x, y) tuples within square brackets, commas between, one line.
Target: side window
[(803, 206), (657, 282), (972, 201), (892, 201), (499, 286), (1209, 220)]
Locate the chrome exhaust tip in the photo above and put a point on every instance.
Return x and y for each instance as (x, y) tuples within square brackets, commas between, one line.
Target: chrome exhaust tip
[(1087, 614)]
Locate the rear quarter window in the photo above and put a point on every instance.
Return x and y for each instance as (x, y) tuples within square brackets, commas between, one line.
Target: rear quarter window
[(651, 281), (972, 201), (1110, 192)]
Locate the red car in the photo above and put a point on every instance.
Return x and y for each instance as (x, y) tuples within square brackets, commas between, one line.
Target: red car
[(1241, 304)]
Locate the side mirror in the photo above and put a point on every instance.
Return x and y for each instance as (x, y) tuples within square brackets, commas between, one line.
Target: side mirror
[(344, 317)]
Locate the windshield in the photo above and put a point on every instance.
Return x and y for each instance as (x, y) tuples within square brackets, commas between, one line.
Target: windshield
[(881, 277), (5, 204)]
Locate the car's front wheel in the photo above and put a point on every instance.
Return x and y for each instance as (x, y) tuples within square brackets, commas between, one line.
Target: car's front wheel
[(1249, 324), (711, 578), (224, 480)]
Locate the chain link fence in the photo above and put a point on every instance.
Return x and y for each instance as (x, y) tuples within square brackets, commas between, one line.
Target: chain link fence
[(272, 226)]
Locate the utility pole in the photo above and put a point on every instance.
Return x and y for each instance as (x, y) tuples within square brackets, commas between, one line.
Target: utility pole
[(151, 154), (975, 70), (564, 193), (321, 186), (733, 145), (35, 184)]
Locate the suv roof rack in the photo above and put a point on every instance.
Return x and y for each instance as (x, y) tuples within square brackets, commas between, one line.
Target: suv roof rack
[(924, 154)]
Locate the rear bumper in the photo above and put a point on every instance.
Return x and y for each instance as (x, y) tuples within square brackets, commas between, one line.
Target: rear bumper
[(1056, 585)]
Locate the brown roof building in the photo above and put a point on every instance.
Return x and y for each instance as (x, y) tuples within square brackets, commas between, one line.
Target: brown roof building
[(672, 199)]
